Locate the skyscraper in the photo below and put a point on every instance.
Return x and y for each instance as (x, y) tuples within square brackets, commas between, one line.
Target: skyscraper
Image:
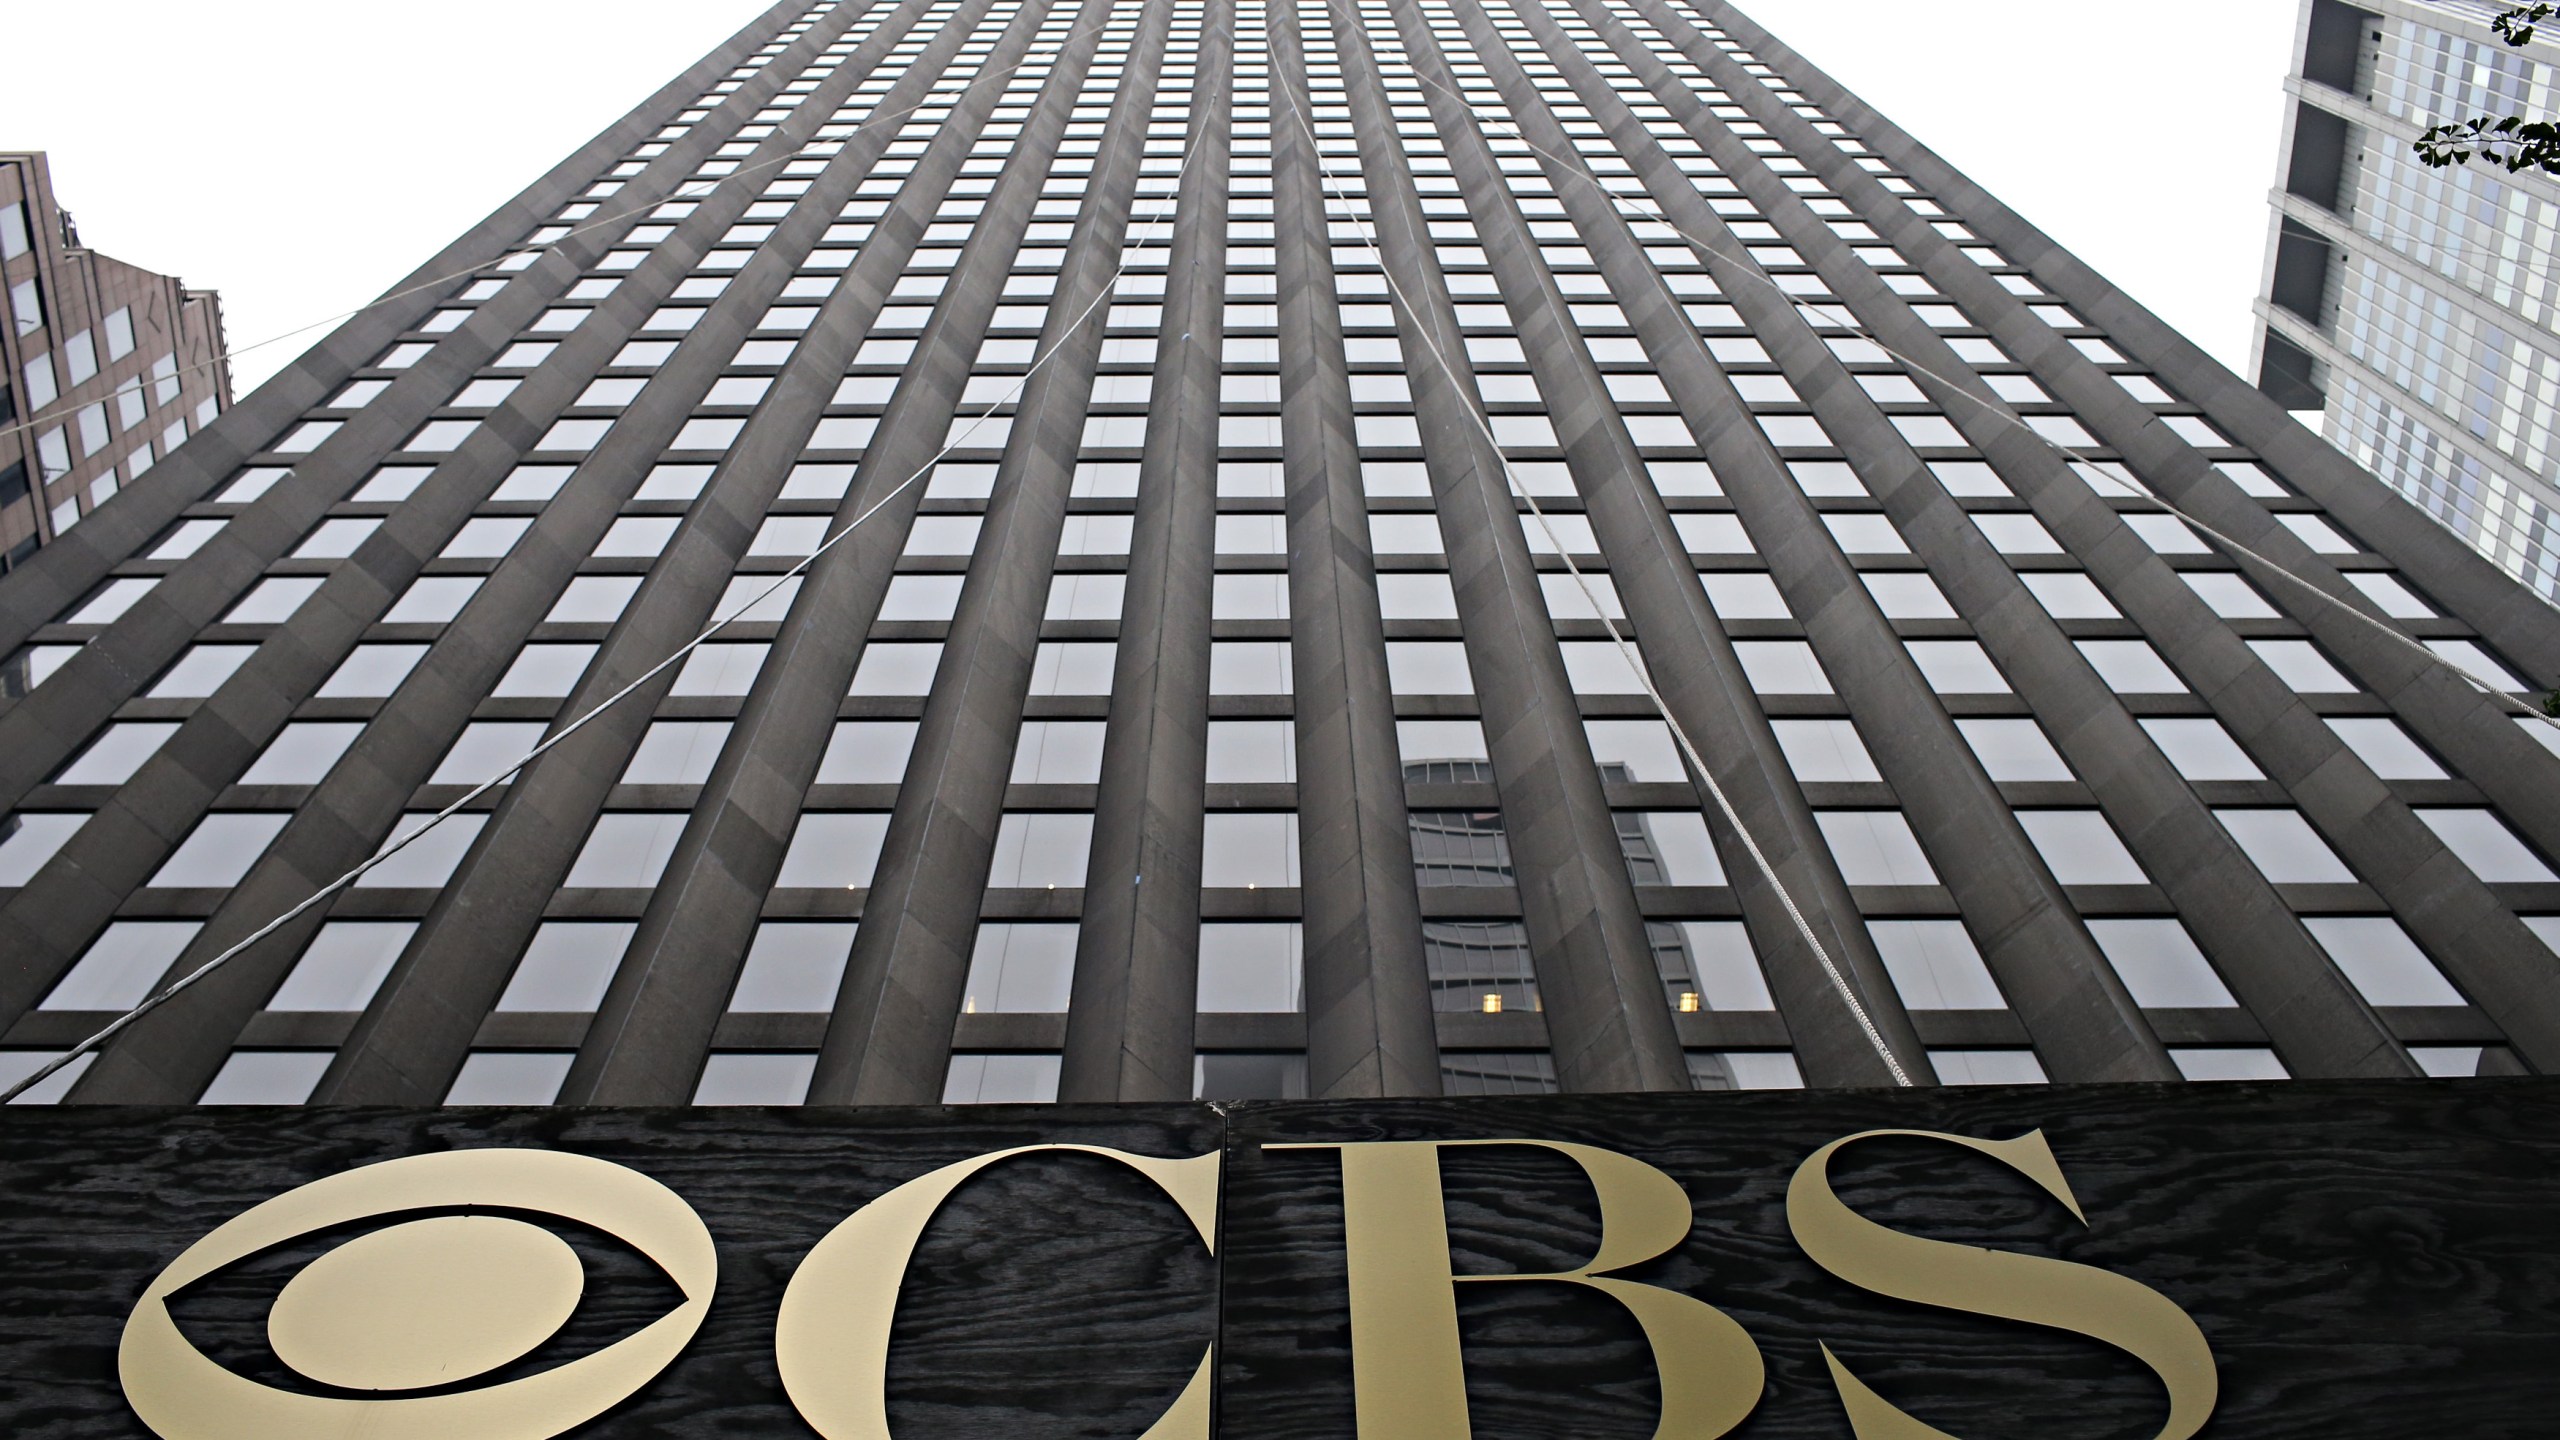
[(109, 366), (2416, 306), (1359, 548)]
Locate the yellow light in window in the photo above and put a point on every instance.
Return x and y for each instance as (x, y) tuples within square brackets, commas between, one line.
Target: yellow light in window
[(1689, 1002), (1492, 1003)]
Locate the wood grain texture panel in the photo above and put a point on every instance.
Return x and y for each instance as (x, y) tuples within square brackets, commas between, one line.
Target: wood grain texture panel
[(2370, 1260)]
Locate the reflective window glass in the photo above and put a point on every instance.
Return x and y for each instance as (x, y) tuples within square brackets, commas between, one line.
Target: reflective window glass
[(1020, 969), (794, 967), (1934, 965), (568, 966)]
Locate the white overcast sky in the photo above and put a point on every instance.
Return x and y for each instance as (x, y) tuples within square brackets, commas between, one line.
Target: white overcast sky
[(302, 155)]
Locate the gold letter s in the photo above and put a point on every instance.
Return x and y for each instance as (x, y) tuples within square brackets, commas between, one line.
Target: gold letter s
[(1408, 1377), (2102, 1305)]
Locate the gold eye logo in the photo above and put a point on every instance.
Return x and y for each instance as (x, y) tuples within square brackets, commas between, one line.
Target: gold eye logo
[(427, 1303)]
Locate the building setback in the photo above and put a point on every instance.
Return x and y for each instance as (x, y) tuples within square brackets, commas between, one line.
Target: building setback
[(110, 367), (2421, 308), (1190, 699)]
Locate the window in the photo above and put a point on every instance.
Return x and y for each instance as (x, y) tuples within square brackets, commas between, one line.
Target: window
[(2081, 848), (274, 601), (1708, 965), (1409, 534), (2300, 664), (2229, 595), (1743, 1070), (188, 537), (2203, 750), (1251, 752), (2387, 749), (835, 850), (593, 600), (431, 600), (1747, 595), (510, 1077), (758, 599), (344, 965), (1875, 847), (626, 851), (1625, 750), (2013, 750), (1429, 668), (303, 753), (1073, 668), (123, 966), (1782, 667), (1098, 596), (220, 851), (1249, 850), (2068, 595), (867, 752), (486, 537), (720, 670), (1824, 750), (896, 669), (545, 671), (1249, 667), (2160, 965), (2131, 667), (1986, 1067), (958, 534), (794, 967), (677, 752), (2284, 848), (1246, 597), (1479, 1072), (2485, 844), (201, 671), (637, 537), (1901, 595), (568, 966), (1957, 667), (1037, 850), (754, 1078), (267, 1077), (1251, 968), (114, 756), (2380, 959), (1406, 595), (2227, 1063), (1020, 969), (431, 861), (28, 841), (372, 671), (1935, 966), (982, 1079), (110, 602)]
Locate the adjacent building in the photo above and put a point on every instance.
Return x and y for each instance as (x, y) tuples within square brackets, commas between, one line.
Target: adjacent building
[(1234, 437), (2418, 308), (110, 367)]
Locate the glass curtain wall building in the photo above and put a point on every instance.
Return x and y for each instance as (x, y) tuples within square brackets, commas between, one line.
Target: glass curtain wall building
[(2421, 308), (1234, 436)]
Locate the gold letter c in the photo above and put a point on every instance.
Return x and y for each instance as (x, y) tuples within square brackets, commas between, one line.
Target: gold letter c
[(832, 1338)]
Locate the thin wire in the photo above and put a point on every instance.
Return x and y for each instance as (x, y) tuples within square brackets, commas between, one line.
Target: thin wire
[(685, 190), (1839, 317), (1129, 254), (1626, 648)]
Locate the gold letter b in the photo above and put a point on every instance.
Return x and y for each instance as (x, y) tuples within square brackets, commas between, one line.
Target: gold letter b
[(1408, 1376)]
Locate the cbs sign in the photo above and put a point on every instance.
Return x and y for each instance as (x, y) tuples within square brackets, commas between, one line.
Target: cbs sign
[(392, 1323)]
